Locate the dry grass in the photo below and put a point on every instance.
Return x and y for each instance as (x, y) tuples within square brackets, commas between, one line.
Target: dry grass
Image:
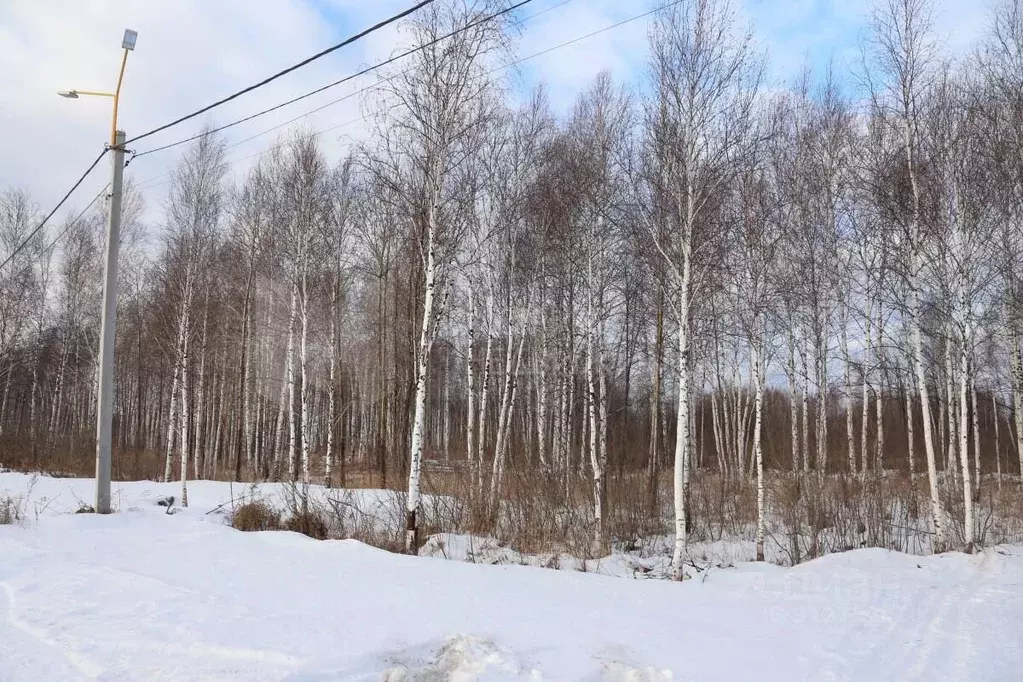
[(260, 516), (255, 516), (337, 517), (311, 523), (76, 458), (808, 515)]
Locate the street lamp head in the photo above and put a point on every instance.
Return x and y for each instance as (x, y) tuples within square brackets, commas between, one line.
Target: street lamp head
[(130, 37), (70, 94)]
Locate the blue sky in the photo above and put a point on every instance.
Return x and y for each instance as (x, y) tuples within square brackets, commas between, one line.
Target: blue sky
[(193, 51)]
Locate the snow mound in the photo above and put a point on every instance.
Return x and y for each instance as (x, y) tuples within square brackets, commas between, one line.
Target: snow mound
[(615, 671), (461, 658)]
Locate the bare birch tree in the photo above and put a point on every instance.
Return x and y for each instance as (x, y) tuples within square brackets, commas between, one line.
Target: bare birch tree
[(436, 110), (705, 81)]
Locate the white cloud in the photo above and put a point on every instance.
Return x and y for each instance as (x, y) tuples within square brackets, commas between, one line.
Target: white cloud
[(191, 52)]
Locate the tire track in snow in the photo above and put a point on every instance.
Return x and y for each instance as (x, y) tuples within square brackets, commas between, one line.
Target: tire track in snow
[(23, 642), (42, 646), (216, 659), (264, 657), (203, 656), (976, 640), (947, 621), (964, 645)]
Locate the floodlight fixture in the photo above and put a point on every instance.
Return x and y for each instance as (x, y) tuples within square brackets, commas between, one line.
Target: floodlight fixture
[(130, 37)]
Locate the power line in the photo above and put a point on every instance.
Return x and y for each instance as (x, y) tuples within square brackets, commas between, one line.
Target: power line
[(78, 217), (567, 43), (329, 50), (56, 208), (320, 54), (145, 184), (95, 162), (304, 62), (609, 27), (68, 227), (372, 87), (320, 89), (310, 113)]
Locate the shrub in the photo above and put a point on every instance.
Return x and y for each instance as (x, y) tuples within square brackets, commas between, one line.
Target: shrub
[(307, 523), (255, 516)]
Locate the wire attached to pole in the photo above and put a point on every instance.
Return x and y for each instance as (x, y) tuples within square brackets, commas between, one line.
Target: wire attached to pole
[(304, 62), (71, 223), (320, 89), (56, 208)]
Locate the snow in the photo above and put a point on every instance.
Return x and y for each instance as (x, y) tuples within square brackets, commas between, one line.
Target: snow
[(145, 595)]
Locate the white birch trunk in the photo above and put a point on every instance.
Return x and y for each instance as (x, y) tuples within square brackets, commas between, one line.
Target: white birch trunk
[(822, 406), (484, 393), (794, 404), (599, 490), (304, 389), (328, 464), (200, 408), (998, 440), (1016, 362), (758, 411), (282, 402), (542, 407), (447, 407), (470, 418), (184, 424), (805, 398), (913, 281), (422, 366), (937, 513), (504, 425), (7, 393), (850, 434), (211, 471), (964, 453), (719, 438), (682, 438), (591, 394), (169, 458), (976, 431), (910, 445), (879, 392), (951, 411), (503, 420), (865, 404), (292, 426)]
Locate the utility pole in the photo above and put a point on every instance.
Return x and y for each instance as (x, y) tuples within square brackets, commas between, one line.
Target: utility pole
[(105, 399), (105, 392)]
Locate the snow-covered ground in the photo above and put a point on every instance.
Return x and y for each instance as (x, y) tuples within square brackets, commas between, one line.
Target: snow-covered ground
[(143, 595)]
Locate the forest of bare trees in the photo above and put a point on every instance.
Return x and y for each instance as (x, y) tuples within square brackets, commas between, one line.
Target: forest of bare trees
[(692, 277)]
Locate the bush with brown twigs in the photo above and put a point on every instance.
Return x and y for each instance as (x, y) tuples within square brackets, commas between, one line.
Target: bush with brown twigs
[(255, 516), (311, 523)]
